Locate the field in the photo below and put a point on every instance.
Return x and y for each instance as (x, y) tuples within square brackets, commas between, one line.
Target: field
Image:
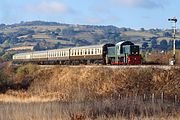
[(88, 93), (136, 33)]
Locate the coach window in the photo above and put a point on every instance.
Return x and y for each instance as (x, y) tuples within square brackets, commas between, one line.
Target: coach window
[(92, 51), (95, 51), (98, 51), (85, 52), (74, 52), (82, 52), (77, 52)]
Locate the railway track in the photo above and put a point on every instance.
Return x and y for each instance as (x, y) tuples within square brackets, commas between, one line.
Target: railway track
[(166, 67)]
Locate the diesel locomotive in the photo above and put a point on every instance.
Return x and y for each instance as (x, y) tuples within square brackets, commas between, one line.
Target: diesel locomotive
[(115, 54)]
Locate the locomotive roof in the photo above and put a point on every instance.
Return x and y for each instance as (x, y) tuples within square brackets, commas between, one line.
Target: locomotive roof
[(125, 43)]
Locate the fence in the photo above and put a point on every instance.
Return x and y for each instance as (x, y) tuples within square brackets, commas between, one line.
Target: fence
[(119, 106)]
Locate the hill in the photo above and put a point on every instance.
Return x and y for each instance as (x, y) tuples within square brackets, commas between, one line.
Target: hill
[(52, 35)]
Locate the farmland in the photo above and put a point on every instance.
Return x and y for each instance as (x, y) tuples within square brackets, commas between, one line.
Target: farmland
[(49, 35)]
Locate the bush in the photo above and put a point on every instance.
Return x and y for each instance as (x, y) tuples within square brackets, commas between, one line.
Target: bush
[(26, 71)]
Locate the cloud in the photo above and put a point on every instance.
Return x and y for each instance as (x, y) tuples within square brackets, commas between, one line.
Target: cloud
[(149, 4), (49, 7)]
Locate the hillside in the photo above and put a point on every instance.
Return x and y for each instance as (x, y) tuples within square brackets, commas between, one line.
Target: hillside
[(51, 35)]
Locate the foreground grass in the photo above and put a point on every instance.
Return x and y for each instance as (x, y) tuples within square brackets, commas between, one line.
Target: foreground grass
[(104, 109)]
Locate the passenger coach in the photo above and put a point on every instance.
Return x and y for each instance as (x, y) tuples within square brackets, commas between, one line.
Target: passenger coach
[(122, 53)]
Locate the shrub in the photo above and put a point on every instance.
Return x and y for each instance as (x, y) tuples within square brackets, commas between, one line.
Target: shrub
[(26, 71)]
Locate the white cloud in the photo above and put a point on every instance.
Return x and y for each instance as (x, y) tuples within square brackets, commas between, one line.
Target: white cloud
[(140, 3), (49, 7)]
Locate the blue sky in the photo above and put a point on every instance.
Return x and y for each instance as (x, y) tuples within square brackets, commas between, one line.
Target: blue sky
[(121, 13)]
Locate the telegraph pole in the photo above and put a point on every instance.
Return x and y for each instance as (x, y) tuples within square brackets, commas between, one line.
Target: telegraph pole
[(174, 21)]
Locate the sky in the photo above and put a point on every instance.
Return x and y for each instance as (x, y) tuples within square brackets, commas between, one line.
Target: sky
[(134, 14)]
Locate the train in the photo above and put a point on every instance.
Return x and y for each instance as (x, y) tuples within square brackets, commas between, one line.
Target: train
[(122, 53)]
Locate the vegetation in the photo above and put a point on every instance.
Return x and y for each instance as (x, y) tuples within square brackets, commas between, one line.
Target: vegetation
[(92, 93), (39, 32)]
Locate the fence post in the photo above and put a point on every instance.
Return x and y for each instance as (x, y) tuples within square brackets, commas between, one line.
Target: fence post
[(175, 99), (119, 96), (144, 97), (153, 98), (162, 97)]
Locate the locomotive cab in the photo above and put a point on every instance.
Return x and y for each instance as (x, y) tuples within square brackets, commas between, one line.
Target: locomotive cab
[(124, 53)]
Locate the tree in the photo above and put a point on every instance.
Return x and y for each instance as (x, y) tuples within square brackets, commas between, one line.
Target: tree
[(164, 45), (58, 45), (167, 34), (153, 42), (142, 29), (37, 47), (145, 45), (7, 56)]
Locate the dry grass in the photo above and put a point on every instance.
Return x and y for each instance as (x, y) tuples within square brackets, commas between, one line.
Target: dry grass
[(91, 93), (110, 108), (89, 83)]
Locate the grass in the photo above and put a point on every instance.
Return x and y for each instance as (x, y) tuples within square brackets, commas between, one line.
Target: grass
[(91, 93), (136, 33), (109, 108)]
